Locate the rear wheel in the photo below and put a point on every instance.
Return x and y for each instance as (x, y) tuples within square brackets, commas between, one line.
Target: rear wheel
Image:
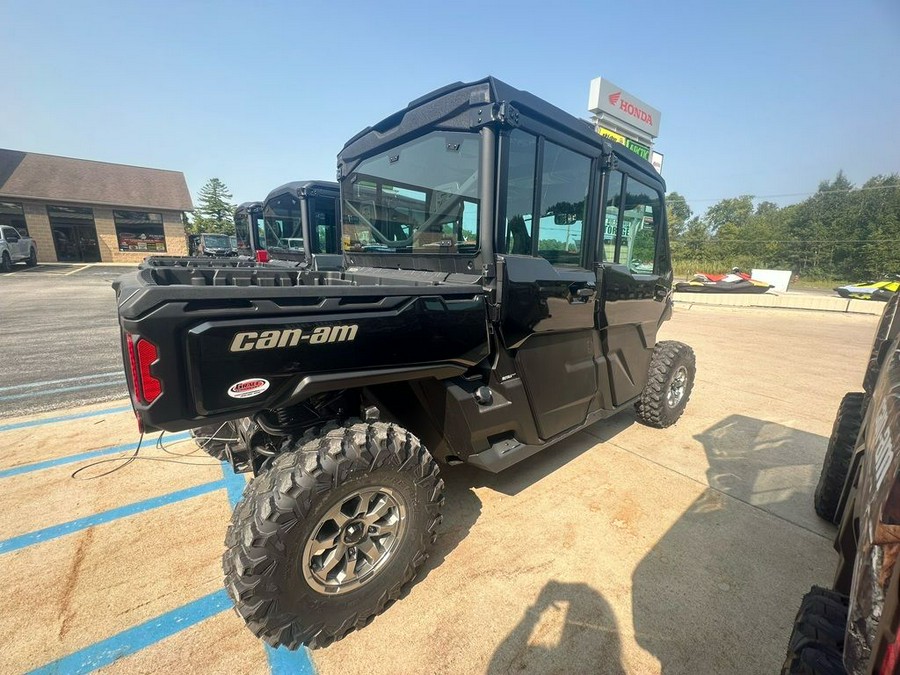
[(32, 258), (328, 536), (5, 263), (838, 455), (669, 384)]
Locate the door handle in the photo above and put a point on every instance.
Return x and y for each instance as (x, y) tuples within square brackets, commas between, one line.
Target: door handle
[(661, 292), (581, 293)]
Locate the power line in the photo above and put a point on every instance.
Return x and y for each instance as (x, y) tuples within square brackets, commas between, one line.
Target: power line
[(801, 194)]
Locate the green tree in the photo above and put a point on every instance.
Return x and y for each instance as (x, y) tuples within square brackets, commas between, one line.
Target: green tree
[(677, 213), (215, 212)]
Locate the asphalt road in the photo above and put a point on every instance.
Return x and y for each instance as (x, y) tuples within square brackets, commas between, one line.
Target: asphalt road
[(59, 338)]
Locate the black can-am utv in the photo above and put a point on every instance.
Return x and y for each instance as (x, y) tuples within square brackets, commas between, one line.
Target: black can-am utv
[(506, 272)]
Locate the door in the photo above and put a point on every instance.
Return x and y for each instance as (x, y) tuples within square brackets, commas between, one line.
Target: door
[(548, 291), (634, 279), (74, 234)]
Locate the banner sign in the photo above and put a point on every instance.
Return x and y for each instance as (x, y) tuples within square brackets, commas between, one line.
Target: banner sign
[(612, 135), (637, 148)]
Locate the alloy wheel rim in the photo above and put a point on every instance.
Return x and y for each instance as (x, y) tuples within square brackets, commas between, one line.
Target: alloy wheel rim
[(354, 540), (677, 387)]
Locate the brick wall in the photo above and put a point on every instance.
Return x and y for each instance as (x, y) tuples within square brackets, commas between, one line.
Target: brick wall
[(39, 229), (176, 244)]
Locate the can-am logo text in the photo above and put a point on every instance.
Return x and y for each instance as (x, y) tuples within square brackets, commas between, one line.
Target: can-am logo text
[(270, 339), (247, 388), (630, 108)]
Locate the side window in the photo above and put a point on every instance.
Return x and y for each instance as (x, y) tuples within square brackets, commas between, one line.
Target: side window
[(565, 178), (611, 215), (520, 192), (641, 219)]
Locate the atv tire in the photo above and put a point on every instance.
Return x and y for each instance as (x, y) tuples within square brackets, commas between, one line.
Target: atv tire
[(327, 538), (816, 644), (669, 384), (837, 457), (208, 439)]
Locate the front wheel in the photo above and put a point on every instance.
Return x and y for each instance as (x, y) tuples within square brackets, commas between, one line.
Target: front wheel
[(836, 465), (670, 381), (326, 538), (5, 263)]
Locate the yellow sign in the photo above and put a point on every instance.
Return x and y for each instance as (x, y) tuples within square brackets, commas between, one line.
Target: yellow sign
[(612, 135)]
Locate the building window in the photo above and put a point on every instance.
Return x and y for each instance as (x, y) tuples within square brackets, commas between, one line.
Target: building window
[(140, 231), (11, 214)]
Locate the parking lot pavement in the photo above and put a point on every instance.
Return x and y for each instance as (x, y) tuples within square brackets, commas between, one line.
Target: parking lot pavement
[(622, 549), (60, 338)]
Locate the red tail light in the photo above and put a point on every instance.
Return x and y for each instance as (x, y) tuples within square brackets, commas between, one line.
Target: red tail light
[(147, 355), (262, 256), (141, 355)]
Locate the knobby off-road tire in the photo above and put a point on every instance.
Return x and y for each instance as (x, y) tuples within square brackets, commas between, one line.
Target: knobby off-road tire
[(669, 384), (5, 263), (816, 644), (207, 439), (838, 455), (32, 258), (295, 520)]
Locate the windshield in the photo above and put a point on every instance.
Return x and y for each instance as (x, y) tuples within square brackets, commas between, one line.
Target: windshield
[(283, 226), (216, 241), (419, 197)]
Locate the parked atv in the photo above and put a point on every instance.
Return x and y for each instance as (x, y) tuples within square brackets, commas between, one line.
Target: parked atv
[(852, 627), (481, 316)]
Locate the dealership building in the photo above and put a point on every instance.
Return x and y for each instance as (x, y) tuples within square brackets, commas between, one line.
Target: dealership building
[(79, 210)]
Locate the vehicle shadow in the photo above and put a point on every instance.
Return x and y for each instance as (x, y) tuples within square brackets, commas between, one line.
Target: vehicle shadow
[(570, 628), (462, 507), (718, 592)]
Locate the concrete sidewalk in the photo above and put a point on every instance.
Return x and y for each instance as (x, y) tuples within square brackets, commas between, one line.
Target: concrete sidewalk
[(789, 300)]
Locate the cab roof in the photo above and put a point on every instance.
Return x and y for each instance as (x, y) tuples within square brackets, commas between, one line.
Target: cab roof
[(443, 108), (298, 186)]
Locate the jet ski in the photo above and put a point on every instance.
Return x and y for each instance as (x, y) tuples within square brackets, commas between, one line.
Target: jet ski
[(882, 290), (735, 282)]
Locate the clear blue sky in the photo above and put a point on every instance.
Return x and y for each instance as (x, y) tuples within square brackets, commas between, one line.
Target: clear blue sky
[(763, 98)]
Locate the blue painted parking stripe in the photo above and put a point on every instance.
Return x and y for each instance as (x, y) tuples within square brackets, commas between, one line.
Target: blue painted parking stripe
[(285, 662), (70, 459), (234, 484), (63, 418), (281, 661), (139, 637), (48, 533)]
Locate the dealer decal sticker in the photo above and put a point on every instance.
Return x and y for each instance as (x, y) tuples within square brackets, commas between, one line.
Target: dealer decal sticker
[(247, 388)]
